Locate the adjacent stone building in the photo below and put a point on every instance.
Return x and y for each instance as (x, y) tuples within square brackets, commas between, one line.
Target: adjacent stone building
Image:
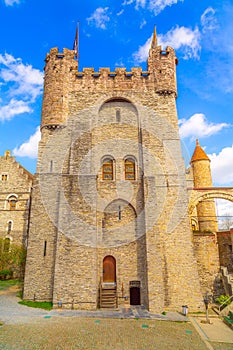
[(15, 191)]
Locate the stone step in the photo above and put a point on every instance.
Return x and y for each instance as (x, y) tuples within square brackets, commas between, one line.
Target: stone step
[(108, 298)]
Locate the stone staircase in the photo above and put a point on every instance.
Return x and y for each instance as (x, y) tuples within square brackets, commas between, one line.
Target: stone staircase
[(227, 280), (108, 297)]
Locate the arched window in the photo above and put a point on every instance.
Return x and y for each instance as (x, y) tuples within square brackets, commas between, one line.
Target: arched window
[(12, 202), (107, 169), (194, 225), (6, 246), (130, 169)]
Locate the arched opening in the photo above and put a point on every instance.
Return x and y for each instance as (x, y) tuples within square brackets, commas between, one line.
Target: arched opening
[(119, 223), (222, 215), (109, 269), (12, 203)]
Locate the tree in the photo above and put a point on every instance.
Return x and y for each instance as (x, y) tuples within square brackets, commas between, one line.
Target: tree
[(12, 257)]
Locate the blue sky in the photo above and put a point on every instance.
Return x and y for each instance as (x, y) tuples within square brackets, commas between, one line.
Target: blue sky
[(113, 34)]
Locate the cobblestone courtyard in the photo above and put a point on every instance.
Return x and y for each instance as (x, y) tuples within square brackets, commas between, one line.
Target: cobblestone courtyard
[(24, 328), (78, 333)]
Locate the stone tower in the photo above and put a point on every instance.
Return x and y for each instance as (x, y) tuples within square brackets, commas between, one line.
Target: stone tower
[(202, 178), (109, 223)]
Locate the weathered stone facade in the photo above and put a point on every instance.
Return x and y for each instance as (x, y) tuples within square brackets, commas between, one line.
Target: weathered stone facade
[(110, 197), (15, 191), (225, 244)]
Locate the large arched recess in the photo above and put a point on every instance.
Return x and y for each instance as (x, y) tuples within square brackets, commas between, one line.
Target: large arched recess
[(118, 110)]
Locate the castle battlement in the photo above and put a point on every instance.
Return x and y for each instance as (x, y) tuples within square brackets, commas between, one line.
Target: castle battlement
[(63, 79), (118, 72)]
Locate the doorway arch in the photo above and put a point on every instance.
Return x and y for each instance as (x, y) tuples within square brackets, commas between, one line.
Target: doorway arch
[(109, 269)]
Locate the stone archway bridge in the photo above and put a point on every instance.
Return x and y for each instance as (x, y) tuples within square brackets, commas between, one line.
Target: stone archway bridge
[(197, 195)]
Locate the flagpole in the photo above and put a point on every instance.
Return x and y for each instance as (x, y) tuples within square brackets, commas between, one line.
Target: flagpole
[(76, 42)]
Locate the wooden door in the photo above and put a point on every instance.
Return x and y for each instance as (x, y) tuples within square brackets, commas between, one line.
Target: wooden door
[(109, 269), (135, 296)]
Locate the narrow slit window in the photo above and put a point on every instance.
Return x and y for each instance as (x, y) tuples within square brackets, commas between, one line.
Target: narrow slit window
[(9, 226), (45, 248), (129, 169), (118, 115), (107, 169), (119, 213), (51, 166)]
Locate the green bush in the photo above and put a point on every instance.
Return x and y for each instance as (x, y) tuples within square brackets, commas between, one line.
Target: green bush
[(6, 274), (223, 299), (12, 259)]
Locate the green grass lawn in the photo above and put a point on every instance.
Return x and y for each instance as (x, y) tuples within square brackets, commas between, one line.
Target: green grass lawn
[(4, 285), (37, 304)]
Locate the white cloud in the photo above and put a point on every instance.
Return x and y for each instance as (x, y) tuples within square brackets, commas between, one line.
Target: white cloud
[(20, 86), (142, 54), (159, 5), (222, 166), (24, 79), (180, 38), (127, 2), (143, 23), (208, 20), (224, 211), (155, 6), (120, 12), (13, 108), (30, 147), (197, 126), (140, 3), (184, 39), (11, 2), (99, 17)]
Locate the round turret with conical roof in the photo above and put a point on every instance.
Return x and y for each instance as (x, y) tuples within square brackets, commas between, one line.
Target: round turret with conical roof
[(202, 178)]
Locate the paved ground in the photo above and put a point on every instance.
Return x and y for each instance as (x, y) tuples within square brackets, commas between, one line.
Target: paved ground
[(129, 329)]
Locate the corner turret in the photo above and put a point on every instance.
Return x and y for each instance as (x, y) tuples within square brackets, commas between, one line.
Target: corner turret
[(162, 64), (202, 178), (59, 69)]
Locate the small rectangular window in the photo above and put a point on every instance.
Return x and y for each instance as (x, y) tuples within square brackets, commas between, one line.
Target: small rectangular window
[(4, 177)]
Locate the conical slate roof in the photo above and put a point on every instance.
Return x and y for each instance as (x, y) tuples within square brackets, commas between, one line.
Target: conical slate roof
[(199, 153)]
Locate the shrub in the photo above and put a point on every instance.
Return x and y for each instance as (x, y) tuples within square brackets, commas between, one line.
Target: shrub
[(6, 274), (223, 299), (12, 259)]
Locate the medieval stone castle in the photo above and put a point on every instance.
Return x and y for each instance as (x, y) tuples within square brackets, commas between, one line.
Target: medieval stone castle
[(107, 222)]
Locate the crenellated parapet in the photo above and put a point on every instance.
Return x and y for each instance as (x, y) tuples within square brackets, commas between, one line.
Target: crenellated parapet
[(108, 80), (62, 78)]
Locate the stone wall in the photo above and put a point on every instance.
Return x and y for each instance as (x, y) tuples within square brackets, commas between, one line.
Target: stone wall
[(15, 183), (225, 244), (207, 255)]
